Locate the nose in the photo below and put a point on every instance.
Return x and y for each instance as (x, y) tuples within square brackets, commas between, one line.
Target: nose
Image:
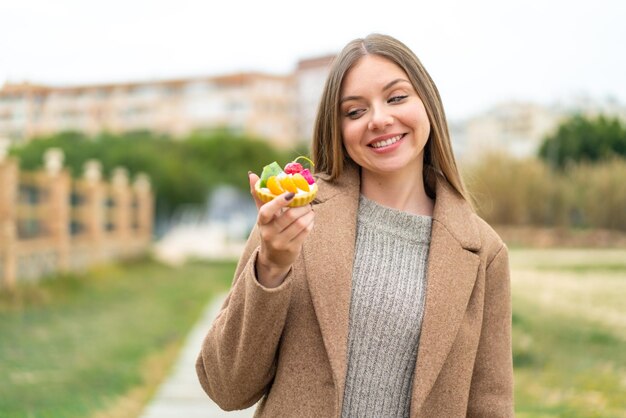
[(379, 119)]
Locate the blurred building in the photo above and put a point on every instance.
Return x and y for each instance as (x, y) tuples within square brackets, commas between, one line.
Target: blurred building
[(279, 108), (592, 106), (310, 77), (513, 127), (254, 104), (519, 128)]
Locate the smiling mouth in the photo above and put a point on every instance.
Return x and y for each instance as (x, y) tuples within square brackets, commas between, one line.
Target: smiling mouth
[(386, 142)]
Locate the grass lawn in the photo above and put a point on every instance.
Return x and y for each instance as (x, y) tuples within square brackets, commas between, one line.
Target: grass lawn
[(98, 344), (569, 332)]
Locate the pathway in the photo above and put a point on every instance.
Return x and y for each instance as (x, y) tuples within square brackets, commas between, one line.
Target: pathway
[(181, 395)]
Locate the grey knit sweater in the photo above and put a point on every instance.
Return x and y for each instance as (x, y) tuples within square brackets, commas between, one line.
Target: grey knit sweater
[(386, 310)]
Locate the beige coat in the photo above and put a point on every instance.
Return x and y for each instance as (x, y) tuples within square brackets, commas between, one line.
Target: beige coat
[(288, 345)]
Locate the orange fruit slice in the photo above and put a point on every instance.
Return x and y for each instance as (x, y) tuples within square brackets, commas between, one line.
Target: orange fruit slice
[(288, 184), (300, 182), (300, 199), (274, 186)]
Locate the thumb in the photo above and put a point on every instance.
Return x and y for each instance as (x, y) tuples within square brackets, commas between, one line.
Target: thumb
[(253, 178)]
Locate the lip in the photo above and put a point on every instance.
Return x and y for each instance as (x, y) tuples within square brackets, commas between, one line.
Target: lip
[(387, 148)]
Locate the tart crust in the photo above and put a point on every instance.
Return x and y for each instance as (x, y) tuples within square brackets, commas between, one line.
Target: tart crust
[(298, 200)]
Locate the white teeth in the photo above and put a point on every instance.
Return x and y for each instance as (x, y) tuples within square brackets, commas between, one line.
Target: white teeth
[(387, 142)]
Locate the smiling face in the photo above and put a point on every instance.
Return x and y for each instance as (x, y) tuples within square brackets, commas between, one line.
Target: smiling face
[(384, 125)]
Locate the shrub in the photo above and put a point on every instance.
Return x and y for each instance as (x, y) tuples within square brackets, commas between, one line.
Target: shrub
[(509, 191)]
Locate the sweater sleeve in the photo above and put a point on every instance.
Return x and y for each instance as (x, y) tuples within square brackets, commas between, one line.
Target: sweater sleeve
[(237, 360), (491, 393)]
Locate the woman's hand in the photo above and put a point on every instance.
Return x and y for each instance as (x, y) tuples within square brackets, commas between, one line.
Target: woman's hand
[(283, 230)]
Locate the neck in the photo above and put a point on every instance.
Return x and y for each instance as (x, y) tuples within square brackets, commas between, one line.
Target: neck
[(398, 191)]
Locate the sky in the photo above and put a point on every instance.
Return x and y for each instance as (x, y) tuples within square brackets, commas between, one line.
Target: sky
[(479, 53)]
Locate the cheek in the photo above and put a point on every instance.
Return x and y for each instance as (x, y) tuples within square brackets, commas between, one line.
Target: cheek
[(425, 127), (423, 120), (350, 134), (421, 124)]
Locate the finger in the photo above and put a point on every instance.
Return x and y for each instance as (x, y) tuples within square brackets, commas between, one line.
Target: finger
[(296, 229), (299, 239), (253, 178), (269, 210), (289, 215)]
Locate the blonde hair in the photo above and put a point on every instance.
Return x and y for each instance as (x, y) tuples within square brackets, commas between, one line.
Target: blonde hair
[(329, 154)]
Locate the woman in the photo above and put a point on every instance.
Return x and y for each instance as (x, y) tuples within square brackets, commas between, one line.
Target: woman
[(397, 302)]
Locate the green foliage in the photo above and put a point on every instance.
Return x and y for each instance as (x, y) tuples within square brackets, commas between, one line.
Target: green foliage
[(584, 139), (73, 345), (182, 171)]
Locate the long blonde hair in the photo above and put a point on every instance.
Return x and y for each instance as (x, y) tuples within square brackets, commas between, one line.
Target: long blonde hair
[(329, 154)]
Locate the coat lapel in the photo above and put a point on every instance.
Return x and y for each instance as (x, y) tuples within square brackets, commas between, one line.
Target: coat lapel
[(328, 259), (452, 270)]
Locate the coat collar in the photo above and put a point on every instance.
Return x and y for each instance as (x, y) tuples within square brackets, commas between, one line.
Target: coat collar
[(451, 210), (452, 270)]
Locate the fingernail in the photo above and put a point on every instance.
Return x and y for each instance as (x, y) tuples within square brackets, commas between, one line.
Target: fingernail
[(249, 172), (289, 196)]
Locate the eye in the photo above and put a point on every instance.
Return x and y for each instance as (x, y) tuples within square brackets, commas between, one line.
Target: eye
[(397, 99), (354, 113)]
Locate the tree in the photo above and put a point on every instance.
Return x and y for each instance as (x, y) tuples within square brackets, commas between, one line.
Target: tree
[(587, 139), (182, 172)]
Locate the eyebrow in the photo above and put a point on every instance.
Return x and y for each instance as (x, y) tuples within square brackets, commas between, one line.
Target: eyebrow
[(386, 87)]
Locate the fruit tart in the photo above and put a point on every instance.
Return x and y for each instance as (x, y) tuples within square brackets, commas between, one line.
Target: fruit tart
[(294, 178)]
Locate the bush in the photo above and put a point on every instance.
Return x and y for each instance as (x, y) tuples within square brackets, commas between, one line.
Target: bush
[(514, 192), (584, 139), (508, 191), (600, 194)]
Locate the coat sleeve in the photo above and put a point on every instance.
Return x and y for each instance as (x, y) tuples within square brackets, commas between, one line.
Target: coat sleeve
[(237, 360), (491, 393)]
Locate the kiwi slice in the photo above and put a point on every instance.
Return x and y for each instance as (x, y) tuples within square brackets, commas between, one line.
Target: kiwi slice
[(269, 170)]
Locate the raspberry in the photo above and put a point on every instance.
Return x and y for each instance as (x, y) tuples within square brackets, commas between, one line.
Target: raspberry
[(307, 175), (293, 168)]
